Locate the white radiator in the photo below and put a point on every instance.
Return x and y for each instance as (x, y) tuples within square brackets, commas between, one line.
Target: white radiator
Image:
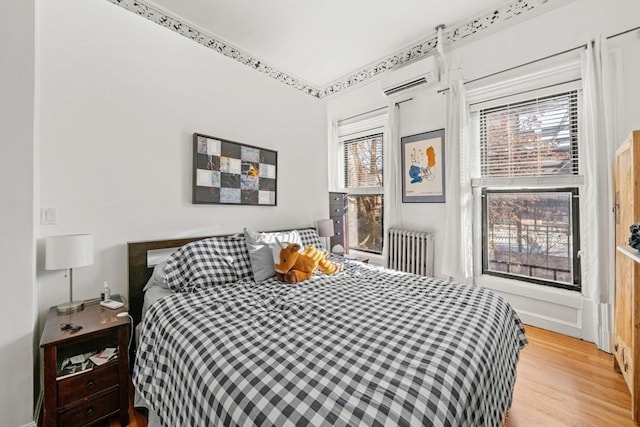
[(410, 251)]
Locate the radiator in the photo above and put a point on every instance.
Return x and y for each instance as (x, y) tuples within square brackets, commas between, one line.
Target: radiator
[(410, 251)]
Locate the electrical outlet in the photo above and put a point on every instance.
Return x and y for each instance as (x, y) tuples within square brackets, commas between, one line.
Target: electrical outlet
[(48, 216)]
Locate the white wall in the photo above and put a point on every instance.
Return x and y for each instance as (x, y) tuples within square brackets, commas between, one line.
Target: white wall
[(18, 322), (564, 28), (120, 100), (118, 112)]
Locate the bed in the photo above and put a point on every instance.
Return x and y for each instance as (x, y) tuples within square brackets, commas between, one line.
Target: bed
[(369, 346)]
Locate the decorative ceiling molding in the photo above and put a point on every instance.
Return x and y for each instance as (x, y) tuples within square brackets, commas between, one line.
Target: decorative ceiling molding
[(450, 36), (160, 17)]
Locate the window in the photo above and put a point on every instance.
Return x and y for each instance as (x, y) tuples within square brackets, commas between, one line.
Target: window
[(529, 186), (532, 234), (363, 168)]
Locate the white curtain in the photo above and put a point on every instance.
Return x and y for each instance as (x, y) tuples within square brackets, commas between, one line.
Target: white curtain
[(392, 183), (597, 168), (334, 156), (457, 251)]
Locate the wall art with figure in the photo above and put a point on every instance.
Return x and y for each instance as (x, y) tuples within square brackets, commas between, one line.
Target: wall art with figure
[(423, 167)]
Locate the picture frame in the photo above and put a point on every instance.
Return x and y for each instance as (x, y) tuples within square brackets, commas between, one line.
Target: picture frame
[(423, 167), (232, 173)]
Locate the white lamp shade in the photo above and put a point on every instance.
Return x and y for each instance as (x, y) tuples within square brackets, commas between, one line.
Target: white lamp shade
[(69, 251), (325, 228)]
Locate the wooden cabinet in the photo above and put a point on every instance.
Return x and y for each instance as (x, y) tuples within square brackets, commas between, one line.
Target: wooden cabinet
[(338, 213), (627, 294), (92, 393)]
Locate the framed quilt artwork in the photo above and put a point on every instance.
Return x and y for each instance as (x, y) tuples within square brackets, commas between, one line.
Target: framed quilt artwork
[(227, 172), (423, 167)]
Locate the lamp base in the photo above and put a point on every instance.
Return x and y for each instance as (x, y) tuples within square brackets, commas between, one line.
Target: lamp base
[(70, 307)]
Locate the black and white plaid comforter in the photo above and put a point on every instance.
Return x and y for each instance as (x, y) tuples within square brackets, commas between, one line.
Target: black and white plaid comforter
[(368, 347)]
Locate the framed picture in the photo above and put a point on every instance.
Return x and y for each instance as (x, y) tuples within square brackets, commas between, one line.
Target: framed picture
[(423, 167), (228, 172)]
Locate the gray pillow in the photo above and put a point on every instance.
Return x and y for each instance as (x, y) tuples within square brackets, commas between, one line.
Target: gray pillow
[(261, 250), (157, 278)]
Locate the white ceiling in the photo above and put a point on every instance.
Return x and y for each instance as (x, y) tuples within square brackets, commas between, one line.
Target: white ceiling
[(320, 41)]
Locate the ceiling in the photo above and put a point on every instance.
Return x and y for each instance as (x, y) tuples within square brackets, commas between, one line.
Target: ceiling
[(318, 44)]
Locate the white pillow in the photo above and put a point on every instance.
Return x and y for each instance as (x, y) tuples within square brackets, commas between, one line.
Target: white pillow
[(264, 251)]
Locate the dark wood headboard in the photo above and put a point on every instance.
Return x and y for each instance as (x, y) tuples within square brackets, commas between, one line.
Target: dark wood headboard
[(140, 272)]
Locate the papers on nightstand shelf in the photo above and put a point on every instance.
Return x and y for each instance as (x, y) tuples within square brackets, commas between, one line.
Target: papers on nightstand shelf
[(80, 363), (104, 356), (75, 365)]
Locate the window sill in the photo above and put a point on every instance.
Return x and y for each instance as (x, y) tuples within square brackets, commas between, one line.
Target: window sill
[(559, 296), (375, 259)]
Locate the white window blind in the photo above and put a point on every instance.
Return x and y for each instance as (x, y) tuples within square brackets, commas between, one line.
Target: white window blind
[(533, 138), (363, 162)]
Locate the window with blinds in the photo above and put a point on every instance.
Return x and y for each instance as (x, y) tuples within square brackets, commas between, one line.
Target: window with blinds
[(363, 168), (530, 227), (538, 137), (363, 162)]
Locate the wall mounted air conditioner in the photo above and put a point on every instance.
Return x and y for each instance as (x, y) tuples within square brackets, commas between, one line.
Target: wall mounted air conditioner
[(422, 72)]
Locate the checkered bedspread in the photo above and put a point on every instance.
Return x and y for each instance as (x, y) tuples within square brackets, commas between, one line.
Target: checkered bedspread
[(368, 347)]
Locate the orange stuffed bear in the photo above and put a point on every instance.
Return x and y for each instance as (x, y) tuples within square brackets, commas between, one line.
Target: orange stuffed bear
[(296, 266)]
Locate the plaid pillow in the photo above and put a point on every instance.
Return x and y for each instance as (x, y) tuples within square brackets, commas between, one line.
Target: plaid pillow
[(213, 261), (309, 236)]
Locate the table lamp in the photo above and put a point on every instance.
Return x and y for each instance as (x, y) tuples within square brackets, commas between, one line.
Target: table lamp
[(325, 229), (64, 253)]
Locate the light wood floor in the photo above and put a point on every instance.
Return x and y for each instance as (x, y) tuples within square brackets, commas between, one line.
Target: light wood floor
[(561, 382)]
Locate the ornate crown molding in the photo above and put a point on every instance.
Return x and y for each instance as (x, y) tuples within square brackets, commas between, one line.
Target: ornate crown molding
[(450, 36), (188, 30)]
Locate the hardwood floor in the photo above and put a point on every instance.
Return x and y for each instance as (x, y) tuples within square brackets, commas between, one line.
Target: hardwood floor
[(561, 382), (564, 381)]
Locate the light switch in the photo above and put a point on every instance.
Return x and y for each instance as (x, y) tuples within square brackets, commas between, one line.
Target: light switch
[(48, 216)]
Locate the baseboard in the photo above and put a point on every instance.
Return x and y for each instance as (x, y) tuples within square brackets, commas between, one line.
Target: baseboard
[(604, 327), (31, 424), (551, 324)]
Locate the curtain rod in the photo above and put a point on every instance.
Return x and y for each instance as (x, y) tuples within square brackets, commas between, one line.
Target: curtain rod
[(373, 111), (362, 114), (582, 46), (622, 33)]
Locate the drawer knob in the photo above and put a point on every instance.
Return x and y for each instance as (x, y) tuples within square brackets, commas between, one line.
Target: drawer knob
[(615, 347), (90, 384), (626, 366), (89, 412)]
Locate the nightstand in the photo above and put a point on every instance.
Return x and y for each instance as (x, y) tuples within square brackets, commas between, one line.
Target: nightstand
[(86, 396)]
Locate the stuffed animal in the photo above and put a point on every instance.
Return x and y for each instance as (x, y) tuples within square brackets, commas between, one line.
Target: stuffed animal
[(296, 266)]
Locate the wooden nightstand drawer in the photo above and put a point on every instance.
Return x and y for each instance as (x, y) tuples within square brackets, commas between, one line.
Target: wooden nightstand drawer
[(83, 385), (92, 410)]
